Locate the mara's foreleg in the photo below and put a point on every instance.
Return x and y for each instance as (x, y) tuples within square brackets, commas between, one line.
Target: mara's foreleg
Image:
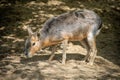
[(64, 44), (52, 53)]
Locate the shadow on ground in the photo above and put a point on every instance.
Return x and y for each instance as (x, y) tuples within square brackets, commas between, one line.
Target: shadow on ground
[(58, 57)]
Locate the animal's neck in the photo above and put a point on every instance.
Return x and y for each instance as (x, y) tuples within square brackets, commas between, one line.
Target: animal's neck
[(44, 43)]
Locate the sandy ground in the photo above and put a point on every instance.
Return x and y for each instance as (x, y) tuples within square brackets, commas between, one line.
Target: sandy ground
[(17, 67)]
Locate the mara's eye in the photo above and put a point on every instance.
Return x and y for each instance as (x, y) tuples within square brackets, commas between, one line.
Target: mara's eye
[(33, 44)]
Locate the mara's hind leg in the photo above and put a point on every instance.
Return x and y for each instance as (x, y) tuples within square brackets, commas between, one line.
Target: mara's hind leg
[(86, 45), (94, 53), (93, 50)]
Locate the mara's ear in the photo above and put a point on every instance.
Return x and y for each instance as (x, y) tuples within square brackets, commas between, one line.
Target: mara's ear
[(37, 33), (30, 32)]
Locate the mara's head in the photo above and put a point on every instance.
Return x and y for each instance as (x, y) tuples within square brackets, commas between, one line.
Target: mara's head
[(32, 43)]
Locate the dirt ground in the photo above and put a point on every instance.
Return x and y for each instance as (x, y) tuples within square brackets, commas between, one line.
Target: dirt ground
[(38, 68), (13, 64)]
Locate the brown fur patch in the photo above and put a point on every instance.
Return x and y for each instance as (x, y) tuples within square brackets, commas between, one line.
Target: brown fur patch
[(34, 49)]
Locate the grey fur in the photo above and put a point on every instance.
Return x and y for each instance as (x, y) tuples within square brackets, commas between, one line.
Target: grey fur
[(69, 22), (82, 25)]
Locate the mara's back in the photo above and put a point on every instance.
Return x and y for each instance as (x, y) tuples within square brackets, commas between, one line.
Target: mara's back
[(73, 25)]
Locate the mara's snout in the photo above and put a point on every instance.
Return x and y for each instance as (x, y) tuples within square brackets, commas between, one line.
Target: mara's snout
[(28, 55)]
